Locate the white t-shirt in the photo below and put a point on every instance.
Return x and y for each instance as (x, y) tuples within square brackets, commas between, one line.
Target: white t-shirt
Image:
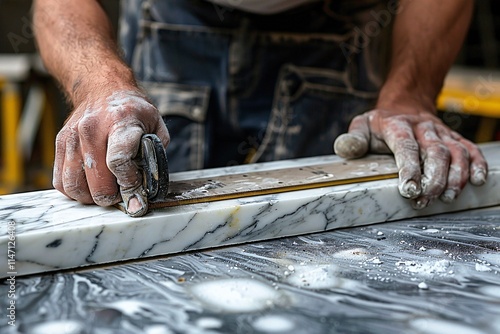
[(262, 6)]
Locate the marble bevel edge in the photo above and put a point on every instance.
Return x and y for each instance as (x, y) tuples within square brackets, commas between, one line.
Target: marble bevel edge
[(55, 233), (228, 222)]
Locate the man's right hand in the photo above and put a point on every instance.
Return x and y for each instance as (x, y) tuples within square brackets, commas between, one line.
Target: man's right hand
[(96, 148)]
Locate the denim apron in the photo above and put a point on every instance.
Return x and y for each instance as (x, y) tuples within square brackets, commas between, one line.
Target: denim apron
[(236, 87)]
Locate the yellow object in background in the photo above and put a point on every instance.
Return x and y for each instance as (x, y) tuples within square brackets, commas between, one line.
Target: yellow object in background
[(473, 92), (12, 176), (27, 125)]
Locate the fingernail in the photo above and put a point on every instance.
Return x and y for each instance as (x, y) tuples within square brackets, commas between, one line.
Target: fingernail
[(409, 189), (420, 203), (136, 206), (478, 177), (448, 196)]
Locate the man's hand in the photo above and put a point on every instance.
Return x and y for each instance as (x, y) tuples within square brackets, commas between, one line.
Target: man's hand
[(433, 160), (95, 150)]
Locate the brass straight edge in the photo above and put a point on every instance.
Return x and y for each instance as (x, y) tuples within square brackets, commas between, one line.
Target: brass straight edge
[(268, 182)]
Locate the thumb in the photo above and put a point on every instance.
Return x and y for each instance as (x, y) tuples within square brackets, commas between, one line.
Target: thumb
[(123, 145), (356, 142), (135, 201)]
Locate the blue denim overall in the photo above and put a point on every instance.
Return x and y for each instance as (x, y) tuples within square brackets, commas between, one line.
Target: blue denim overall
[(236, 87)]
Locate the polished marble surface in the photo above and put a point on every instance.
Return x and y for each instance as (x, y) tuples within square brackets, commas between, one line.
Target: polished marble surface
[(54, 233), (438, 274)]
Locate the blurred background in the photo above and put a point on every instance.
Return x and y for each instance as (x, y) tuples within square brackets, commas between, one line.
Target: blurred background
[(32, 109)]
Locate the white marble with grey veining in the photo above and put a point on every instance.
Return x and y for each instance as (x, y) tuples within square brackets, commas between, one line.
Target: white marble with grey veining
[(54, 233), (429, 275)]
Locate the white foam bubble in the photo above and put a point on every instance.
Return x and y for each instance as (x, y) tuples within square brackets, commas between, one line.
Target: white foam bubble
[(435, 252), (318, 277), (236, 295), (437, 326), (128, 307), (439, 267), (273, 324), (482, 267), (209, 323), (423, 286), (491, 290), (431, 230), (494, 259), (157, 329), (59, 327), (352, 254)]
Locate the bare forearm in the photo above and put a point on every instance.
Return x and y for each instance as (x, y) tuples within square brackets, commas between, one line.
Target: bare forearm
[(427, 37), (77, 45)]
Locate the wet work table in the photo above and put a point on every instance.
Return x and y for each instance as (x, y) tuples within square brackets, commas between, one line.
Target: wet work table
[(351, 258)]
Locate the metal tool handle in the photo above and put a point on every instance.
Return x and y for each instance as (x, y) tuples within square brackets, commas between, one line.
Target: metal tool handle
[(154, 164)]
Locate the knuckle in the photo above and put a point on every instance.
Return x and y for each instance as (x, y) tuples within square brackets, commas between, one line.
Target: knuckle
[(440, 151), (428, 132), (103, 198), (57, 183), (409, 171), (457, 177), (434, 184), (397, 120), (408, 145), (87, 127), (124, 169), (76, 192), (62, 138), (118, 161), (425, 126), (72, 182), (461, 152)]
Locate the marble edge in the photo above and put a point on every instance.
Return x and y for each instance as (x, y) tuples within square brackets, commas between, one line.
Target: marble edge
[(230, 222), (93, 235)]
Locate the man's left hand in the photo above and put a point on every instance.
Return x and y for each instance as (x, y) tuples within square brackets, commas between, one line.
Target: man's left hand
[(433, 160)]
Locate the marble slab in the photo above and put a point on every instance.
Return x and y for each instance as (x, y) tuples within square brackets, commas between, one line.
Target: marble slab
[(432, 275), (54, 233)]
